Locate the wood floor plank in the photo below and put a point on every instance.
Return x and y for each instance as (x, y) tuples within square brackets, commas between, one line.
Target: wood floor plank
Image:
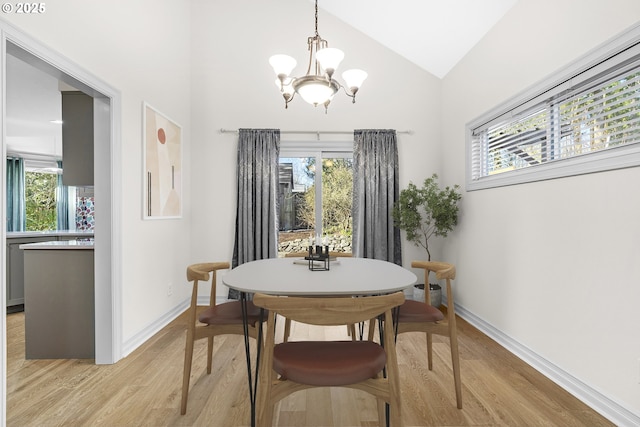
[(144, 389)]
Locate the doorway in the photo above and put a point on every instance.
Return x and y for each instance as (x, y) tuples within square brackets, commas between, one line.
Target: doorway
[(107, 118)]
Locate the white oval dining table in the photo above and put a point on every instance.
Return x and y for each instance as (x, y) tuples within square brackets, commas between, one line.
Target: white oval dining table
[(292, 276)]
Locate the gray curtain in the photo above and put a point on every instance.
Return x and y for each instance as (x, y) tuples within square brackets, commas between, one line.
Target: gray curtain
[(257, 186), (375, 190), (16, 213), (62, 203)]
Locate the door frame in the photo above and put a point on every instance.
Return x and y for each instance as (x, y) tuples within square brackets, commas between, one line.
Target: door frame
[(107, 190)]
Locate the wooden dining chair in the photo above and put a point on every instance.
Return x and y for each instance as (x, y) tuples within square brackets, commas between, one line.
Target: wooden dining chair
[(351, 329), (298, 365), (417, 316), (214, 320)]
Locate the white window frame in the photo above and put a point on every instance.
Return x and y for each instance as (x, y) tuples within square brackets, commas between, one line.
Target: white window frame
[(607, 56), (320, 150)]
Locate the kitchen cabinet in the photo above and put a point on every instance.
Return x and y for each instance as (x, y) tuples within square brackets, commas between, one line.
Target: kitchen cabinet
[(59, 304), (77, 139), (15, 268), (15, 257)]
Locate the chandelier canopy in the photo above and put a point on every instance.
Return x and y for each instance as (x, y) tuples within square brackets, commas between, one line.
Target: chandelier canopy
[(318, 86)]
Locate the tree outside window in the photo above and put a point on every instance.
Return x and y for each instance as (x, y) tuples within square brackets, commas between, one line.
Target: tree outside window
[(40, 200)]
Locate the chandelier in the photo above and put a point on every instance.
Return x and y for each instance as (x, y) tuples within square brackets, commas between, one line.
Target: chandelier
[(318, 86)]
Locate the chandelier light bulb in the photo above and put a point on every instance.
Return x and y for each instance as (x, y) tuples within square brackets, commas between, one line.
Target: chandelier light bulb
[(282, 65), (354, 79), (315, 94), (315, 90), (329, 59)]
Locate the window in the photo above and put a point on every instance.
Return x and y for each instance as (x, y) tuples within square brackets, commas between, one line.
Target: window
[(313, 204), (44, 197), (40, 200), (586, 120)]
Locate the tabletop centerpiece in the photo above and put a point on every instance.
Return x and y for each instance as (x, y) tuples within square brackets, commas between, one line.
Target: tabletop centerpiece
[(318, 258)]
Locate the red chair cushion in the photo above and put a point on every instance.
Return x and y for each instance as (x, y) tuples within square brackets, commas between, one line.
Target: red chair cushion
[(328, 363), (230, 313), (415, 311)]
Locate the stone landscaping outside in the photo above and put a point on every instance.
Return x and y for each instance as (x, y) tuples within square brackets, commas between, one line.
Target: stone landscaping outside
[(298, 241)]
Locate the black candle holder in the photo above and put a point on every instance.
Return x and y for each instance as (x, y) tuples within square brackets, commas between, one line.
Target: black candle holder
[(318, 258)]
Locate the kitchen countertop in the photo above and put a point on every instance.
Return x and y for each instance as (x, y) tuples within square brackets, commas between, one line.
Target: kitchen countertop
[(60, 244), (50, 233)]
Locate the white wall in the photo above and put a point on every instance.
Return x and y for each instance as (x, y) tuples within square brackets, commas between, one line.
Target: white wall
[(205, 65), (554, 265), (233, 87), (142, 49)]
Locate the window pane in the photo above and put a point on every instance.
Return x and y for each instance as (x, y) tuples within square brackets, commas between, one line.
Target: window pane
[(337, 197), (296, 198), (300, 202), (40, 200), (518, 143), (603, 117)]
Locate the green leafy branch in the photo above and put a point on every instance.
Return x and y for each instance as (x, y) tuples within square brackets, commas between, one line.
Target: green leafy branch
[(427, 211)]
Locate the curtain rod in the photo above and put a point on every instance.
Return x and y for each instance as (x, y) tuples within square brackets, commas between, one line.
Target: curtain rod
[(315, 132)]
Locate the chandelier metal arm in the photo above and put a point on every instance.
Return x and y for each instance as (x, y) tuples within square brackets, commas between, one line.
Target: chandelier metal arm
[(288, 98), (351, 95), (310, 42), (315, 44)]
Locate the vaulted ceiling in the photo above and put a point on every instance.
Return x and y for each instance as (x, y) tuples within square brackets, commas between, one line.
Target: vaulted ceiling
[(433, 34)]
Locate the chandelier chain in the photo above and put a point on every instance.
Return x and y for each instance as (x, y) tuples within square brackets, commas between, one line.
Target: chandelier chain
[(317, 35)]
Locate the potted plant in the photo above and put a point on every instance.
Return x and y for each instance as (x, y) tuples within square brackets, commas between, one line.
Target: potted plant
[(425, 212)]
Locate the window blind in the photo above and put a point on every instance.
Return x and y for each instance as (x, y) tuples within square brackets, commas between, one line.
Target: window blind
[(591, 111)]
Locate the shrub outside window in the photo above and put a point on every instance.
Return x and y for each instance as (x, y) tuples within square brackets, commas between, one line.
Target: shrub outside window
[(315, 195)]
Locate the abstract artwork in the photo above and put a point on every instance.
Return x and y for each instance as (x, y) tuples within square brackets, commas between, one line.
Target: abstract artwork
[(162, 166)]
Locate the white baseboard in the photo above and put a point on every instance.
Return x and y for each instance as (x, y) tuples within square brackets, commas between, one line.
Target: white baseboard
[(600, 403), (141, 337)]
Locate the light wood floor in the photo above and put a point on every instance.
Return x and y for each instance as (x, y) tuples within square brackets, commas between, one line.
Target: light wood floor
[(144, 388)]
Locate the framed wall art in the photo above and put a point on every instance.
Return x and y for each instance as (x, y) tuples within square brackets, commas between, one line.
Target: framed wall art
[(162, 156)]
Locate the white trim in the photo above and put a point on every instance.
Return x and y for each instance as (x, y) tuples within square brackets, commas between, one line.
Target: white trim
[(150, 330), (108, 248), (608, 408), (296, 147), (3, 234), (601, 161)]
